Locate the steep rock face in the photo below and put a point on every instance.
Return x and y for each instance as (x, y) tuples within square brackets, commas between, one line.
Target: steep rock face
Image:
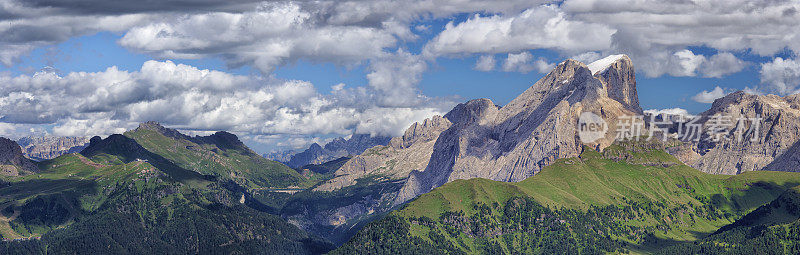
[(539, 126), (337, 148), (775, 146), (620, 80), (12, 162), (50, 147)]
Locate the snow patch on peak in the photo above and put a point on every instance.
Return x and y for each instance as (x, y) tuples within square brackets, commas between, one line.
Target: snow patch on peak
[(603, 64)]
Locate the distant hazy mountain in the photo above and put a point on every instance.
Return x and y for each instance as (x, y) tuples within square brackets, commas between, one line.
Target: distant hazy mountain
[(49, 147), (335, 149), (280, 156)]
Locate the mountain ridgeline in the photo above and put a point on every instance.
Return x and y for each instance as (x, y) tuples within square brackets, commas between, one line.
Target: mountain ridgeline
[(221, 155), (772, 142), (150, 190)]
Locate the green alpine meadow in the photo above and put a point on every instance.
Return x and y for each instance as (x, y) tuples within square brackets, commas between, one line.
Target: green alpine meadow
[(626, 199)]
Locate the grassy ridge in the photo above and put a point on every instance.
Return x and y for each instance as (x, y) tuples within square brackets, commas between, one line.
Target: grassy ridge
[(216, 155), (593, 180), (643, 198)]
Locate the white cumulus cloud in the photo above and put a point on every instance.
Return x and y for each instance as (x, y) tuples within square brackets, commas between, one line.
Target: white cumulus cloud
[(781, 76), (722, 64), (485, 63), (539, 27), (524, 62), (708, 97), (186, 97)]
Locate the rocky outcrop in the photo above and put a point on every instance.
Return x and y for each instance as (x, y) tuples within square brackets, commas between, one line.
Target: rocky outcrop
[(12, 161), (50, 147), (771, 144), (339, 147)]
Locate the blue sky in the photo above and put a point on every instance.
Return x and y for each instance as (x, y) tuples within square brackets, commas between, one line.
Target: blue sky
[(281, 75), (448, 76)]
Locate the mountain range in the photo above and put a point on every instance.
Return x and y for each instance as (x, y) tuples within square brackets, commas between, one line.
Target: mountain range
[(336, 148), (483, 178), (49, 147)]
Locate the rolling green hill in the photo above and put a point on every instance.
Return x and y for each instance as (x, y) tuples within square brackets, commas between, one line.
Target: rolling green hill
[(118, 197), (626, 199)]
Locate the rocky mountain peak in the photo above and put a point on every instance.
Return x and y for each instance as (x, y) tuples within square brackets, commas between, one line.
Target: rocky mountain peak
[(472, 111), (759, 103), (12, 162), (94, 140), (617, 74), (151, 125), (478, 139), (119, 145)]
